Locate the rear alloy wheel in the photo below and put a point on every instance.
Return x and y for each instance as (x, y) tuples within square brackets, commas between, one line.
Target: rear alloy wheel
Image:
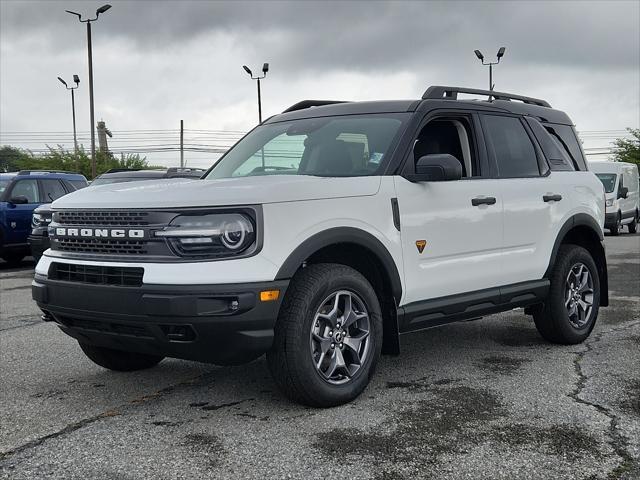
[(571, 307), (328, 336)]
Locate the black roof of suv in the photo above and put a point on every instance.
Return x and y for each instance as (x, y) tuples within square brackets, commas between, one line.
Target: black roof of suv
[(498, 101)]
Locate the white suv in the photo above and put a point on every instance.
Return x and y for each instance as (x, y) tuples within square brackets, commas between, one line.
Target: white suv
[(328, 232)]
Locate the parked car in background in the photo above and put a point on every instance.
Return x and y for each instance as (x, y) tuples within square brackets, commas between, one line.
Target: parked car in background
[(129, 175), (20, 194), (621, 187), (39, 237)]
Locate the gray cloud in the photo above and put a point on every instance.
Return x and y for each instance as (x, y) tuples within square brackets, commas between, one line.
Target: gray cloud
[(159, 61)]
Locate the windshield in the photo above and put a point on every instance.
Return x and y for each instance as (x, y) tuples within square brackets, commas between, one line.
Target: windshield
[(3, 186), (608, 180), (353, 145)]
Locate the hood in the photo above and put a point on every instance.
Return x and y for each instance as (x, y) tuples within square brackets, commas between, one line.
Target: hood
[(180, 192)]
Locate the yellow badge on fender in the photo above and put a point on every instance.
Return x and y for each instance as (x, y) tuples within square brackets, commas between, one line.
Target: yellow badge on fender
[(421, 244)]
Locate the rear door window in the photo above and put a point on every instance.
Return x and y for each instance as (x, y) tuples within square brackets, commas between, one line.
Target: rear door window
[(512, 148)]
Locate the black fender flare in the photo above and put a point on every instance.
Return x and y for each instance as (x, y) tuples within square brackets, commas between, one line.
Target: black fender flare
[(582, 219), (336, 235)]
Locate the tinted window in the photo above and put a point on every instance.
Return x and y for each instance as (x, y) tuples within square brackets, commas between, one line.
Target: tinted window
[(557, 156), (512, 147), (77, 184), (566, 137), (52, 190), (608, 180), (26, 188)]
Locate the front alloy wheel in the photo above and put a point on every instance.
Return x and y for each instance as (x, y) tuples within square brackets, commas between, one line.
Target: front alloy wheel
[(579, 295), (340, 337)]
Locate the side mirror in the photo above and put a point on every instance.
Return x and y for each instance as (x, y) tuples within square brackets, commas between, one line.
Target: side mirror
[(438, 167), (19, 200), (623, 192)]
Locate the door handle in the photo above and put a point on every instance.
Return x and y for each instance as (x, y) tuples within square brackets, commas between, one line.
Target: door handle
[(483, 201), (554, 197)]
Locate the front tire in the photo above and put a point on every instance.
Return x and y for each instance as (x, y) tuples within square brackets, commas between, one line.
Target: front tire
[(119, 360), (571, 308), (328, 336)]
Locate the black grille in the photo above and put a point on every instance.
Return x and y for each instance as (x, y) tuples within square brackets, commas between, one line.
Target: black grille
[(99, 245), (102, 217), (99, 275), (106, 327)]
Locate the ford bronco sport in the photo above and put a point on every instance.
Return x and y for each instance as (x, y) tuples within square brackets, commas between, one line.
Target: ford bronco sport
[(331, 230)]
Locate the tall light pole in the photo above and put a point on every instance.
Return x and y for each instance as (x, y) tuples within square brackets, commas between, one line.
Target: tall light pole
[(499, 55), (88, 21), (265, 69), (76, 80)]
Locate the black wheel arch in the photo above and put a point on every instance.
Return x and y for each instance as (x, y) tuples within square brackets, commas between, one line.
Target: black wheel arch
[(582, 229), (351, 246)]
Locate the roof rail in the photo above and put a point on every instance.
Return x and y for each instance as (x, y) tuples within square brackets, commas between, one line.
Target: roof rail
[(440, 92), (29, 172), (117, 170), (311, 103)]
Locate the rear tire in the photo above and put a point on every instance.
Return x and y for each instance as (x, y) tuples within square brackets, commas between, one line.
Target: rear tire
[(571, 308), (633, 226), (13, 258), (615, 231), (119, 360), (328, 336)]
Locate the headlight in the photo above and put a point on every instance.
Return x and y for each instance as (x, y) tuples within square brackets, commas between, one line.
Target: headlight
[(40, 220), (609, 202), (213, 235)]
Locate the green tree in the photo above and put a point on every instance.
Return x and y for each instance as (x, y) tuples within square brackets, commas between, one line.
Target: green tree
[(12, 159), (628, 149)]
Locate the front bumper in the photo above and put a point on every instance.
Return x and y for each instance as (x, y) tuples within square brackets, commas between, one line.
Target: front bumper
[(224, 324)]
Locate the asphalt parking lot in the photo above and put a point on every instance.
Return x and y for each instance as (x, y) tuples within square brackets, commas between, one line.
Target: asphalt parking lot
[(487, 400)]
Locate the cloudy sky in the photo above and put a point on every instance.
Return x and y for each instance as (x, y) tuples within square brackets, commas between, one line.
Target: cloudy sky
[(156, 62)]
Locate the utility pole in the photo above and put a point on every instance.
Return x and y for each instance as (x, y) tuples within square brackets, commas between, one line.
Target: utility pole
[(499, 55), (88, 21), (181, 143)]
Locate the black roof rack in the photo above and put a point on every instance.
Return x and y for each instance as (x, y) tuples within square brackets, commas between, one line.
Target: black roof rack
[(311, 103), (440, 92), (29, 172)]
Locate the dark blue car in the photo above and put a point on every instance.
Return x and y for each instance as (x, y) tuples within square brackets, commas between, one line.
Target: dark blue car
[(20, 194)]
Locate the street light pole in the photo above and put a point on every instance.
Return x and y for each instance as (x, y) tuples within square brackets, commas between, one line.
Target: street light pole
[(265, 69), (499, 55), (76, 80), (88, 21)]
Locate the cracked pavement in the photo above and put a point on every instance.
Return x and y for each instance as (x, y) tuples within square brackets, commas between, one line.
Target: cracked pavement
[(476, 400)]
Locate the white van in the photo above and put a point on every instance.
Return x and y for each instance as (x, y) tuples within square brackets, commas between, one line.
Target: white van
[(621, 186)]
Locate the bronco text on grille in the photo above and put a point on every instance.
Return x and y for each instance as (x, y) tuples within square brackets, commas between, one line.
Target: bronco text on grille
[(107, 232)]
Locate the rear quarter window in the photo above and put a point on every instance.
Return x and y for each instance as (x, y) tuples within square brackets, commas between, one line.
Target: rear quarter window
[(567, 138)]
